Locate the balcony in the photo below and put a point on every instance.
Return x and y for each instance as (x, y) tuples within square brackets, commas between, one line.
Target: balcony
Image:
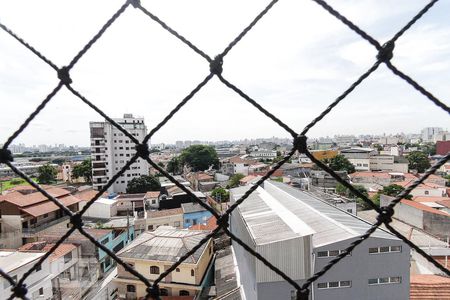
[(28, 232)]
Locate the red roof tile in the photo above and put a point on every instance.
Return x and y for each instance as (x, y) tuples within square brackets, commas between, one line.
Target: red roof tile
[(429, 198), (152, 194), (430, 287), (20, 200), (211, 224), (48, 206), (423, 207)]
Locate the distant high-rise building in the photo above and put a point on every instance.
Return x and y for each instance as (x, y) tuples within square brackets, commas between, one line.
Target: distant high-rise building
[(429, 132), (111, 150)]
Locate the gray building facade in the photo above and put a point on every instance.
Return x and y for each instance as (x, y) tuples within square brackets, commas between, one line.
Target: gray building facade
[(299, 233)]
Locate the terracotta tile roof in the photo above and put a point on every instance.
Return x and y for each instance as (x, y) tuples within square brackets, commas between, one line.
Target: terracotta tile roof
[(425, 185), (152, 194), (24, 200), (370, 174), (48, 206), (165, 212), (88, 195), (429, 286), (210, 225), (203, 176), (445, 203), (248, 178), (429, 198), (43, 246), (423, 207)]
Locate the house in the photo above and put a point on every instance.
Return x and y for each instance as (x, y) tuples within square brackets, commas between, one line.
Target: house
[(322, 179), (25, 212), (130, 204), (264, 154), (199, 180), (167, 217), (64, 268), (153, 252), (419, 215), (237, 164), (388, 163), (194, 213), (16, 264), (102, 208), (151, 200), (310, 233), (210, 225)]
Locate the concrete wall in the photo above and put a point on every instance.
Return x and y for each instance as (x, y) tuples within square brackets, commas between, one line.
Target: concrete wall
[(172, 220), (436, 224), (100, 210), (409, 214)]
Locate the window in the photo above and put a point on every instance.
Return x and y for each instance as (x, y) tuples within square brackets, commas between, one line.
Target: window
[(154, 270), (385, 249), (331, 253), (177, 270), (426, 192), (105, 241), (150, 227), (107, 262), (164, 292), (334, 284), (41, 291), (184, 293), (45, 215), (192, 272), (176, 223), (385, 280), (131, 288)]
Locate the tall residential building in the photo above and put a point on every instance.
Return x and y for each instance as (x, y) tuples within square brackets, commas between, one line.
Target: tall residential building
[(300, 234), (111, 150), (429, 132)]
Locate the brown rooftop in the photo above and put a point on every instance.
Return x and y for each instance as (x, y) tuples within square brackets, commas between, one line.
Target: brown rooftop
[(165, 212)]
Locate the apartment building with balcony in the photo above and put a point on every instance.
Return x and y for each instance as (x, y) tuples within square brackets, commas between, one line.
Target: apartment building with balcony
[(25, 213), (111, 150), (154, 252), (310, 232)]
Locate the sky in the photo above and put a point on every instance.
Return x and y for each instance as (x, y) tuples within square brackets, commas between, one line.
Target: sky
[(294, 63)]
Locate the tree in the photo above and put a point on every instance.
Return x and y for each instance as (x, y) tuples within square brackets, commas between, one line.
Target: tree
[(143, 184), (340, 163), (220, 194), (199, 157), (174, 166), (391, 190), (344, 191), (83, 170), (47, 174), (234, 180), (418, 161)]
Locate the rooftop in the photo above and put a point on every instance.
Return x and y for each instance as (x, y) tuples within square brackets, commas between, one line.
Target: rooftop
[(44, 247), (11, 260), (192, 207), (164, 213), (165, 244), (279, 212), (423, 207)]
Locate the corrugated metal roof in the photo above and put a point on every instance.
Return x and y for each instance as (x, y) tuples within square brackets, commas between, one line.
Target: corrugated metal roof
[(165, 244), (328, 223)]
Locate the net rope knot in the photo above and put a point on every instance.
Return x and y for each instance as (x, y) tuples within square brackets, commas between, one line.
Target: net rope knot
[(300, 143), (386, 215), (223, 221), (5, 156), (142, 150), (153, 292), (20, 291), (64, 76), (76, 221), (135, 3), (302, 294), (386, 52), (215, 66)]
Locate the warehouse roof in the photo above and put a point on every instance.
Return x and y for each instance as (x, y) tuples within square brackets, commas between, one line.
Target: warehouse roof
[(280, 212)]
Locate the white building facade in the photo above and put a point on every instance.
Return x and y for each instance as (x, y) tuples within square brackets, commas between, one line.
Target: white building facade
[(111, 150)]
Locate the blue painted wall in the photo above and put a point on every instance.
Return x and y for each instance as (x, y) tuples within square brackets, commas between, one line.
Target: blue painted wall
[(198, 217)]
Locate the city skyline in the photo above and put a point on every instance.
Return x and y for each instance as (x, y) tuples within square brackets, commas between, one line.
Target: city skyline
[(317, 63)]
